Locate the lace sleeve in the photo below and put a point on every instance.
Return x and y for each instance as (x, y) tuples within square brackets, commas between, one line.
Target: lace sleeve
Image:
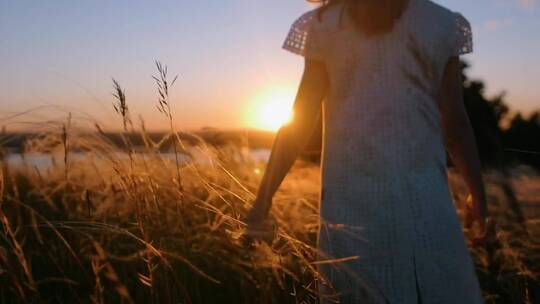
[(463, 41), (305, 37)]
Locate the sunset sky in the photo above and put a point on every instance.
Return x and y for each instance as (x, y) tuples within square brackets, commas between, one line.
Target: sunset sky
[(59, 56)]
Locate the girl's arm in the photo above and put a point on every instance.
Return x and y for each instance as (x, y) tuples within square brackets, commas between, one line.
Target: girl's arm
[(459, 138), (291, 138)]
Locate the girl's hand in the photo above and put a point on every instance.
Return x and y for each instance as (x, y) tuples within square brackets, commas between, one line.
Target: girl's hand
[(260, 231), (257, 213), (259, 226), (476, 212)]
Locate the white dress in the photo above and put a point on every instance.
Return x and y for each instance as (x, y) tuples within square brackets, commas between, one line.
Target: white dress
[(385, 195)]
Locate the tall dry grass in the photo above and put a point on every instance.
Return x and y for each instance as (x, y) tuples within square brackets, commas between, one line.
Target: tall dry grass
[(130, 224), (133, 224)]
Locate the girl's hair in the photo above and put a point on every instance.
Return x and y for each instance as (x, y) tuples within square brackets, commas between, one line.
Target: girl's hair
[(370, 16)]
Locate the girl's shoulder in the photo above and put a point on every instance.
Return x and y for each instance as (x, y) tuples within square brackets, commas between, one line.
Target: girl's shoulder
[(442, 22), (434, 11), (311, 34), (321, 18), (434, 7)]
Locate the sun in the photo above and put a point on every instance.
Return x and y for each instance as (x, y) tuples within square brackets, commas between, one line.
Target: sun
[(271, 108)]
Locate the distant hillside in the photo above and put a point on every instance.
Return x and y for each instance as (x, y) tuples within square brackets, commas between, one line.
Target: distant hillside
[(254, 139)]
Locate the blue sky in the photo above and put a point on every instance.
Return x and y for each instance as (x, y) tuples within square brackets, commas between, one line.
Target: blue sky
[(59, 56)]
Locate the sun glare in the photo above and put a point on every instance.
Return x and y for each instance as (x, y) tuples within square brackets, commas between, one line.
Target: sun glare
[(272, 108)]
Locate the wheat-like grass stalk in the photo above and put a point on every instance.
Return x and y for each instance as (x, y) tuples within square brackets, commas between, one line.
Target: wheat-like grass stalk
[(164, 106)]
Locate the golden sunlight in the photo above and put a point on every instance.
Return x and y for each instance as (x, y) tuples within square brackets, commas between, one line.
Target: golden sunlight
[(272, 108)]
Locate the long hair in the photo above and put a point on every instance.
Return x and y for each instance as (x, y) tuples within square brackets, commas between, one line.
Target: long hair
[(370, 16)]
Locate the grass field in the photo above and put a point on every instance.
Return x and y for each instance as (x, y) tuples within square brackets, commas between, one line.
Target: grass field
[(128, 223), (120, 226)]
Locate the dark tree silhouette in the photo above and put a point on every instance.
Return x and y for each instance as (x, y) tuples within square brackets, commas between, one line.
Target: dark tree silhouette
[(519, 143), (522, 140), (486, 116)]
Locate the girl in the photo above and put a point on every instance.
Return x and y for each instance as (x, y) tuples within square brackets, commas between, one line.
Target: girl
[(387, 74)]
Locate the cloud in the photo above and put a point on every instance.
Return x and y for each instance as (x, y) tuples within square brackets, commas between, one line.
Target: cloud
[(497, 24), (527, 4)]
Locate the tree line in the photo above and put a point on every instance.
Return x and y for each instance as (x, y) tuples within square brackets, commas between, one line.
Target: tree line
[(504, 137)]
